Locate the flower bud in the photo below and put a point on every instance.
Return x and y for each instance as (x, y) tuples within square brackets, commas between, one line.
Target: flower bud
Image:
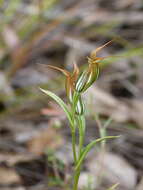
[(87, 78), (81, 81), (92, 76), (79, 107)]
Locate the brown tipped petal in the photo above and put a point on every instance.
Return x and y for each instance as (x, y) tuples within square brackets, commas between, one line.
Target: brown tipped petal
[(75, 71), (65, 72), (94, 52)]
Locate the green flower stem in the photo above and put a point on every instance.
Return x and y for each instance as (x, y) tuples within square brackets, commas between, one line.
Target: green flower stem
[(79, 121), (76, 178), (73, 127), (81, 126), (73, 133), (74, 145), (102, 132)]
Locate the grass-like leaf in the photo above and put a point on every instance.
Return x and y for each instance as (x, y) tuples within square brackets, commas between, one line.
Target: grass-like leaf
[(88, 148), (113, 186), (60, 102)]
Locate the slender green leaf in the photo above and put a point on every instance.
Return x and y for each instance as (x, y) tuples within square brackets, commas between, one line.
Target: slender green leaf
[(88, 148), (107, 122), (60, 102), (129, 53), (113, 187)]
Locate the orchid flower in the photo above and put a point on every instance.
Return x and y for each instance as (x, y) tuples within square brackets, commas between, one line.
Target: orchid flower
[(70, 79), (81, 82), (89, 76)]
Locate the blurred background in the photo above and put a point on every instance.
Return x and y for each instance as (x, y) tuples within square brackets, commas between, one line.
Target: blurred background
[(35, 148)]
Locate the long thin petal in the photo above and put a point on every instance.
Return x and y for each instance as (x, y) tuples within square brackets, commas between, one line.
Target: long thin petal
[(65, 72), (94, 52), (75, 72)]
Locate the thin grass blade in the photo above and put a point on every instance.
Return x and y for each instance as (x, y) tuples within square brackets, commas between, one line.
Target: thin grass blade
[(113, 187)]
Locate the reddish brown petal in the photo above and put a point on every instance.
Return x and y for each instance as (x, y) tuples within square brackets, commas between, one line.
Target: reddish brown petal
[(94, 52), (75, 72), (65, 72)]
